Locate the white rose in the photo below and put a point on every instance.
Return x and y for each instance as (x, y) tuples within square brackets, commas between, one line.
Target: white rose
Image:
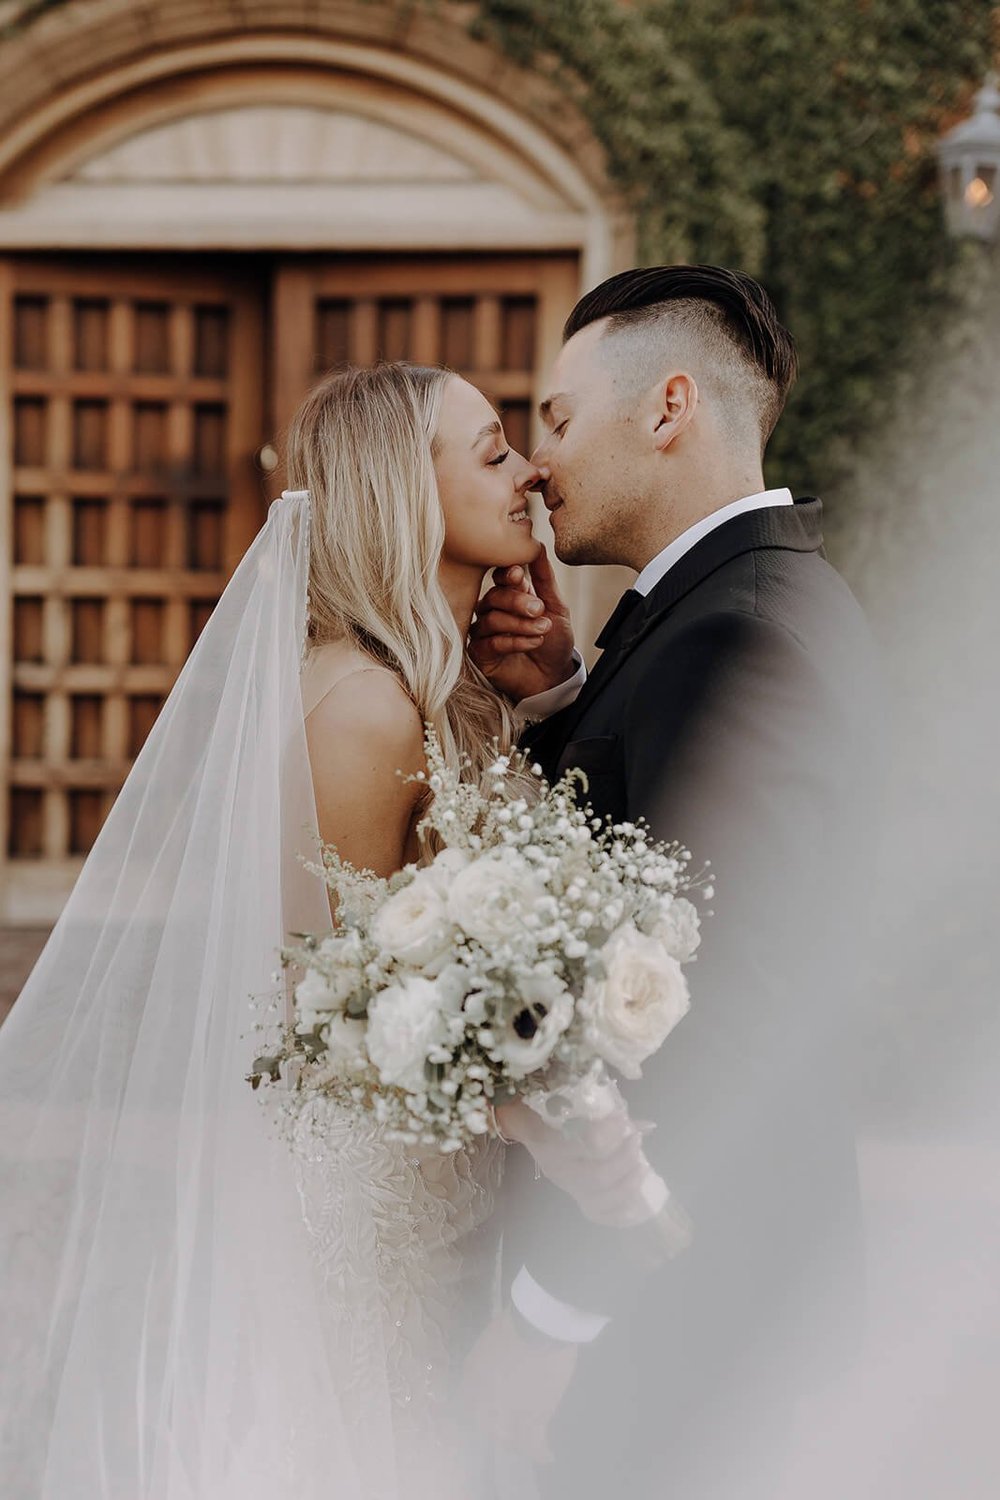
[(638, 1003), (345, 1042), (404, 1022), (342, 949), (529, 1036), (492, 895), (445, 866), (679, 928), (342, 961), (413, 924), (315, 996)]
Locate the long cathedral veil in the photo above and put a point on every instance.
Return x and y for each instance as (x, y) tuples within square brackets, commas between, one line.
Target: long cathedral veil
[(159, 1334)]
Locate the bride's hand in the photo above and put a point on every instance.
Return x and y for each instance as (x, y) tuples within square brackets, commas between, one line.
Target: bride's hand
[(522, 635), (600, 1163)]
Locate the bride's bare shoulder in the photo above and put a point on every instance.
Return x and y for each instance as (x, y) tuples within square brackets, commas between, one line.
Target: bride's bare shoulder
[(345, 691), (365, 740)]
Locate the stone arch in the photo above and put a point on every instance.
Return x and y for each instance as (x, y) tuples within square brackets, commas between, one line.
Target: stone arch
[(84, 77), (381, 140)]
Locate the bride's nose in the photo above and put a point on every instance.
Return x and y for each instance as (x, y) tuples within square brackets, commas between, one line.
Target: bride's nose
[(529, 478)]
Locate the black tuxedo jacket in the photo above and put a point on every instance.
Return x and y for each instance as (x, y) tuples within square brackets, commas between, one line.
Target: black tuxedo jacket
[(734, 710)]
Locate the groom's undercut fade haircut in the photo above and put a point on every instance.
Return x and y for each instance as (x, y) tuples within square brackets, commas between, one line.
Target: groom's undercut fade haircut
[(723, 319)]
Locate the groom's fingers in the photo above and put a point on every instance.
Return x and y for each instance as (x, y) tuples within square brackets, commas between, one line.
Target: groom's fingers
[(508, 621), (512, 600), (513, 577), (489, 629), (543, 579), (510, 645), (501, 622)]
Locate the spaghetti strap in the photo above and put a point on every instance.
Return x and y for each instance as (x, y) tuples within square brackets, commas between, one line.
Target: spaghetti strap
[(316, 686)]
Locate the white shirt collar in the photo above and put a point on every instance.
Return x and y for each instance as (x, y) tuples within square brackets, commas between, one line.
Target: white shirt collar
[(660, 565)]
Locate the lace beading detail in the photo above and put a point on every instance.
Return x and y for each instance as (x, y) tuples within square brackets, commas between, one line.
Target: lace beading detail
[(401, 1239)]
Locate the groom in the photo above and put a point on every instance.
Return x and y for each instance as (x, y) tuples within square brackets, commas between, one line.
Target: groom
[(732, 707)]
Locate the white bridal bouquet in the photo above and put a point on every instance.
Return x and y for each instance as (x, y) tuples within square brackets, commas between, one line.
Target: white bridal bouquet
[(541, 946)]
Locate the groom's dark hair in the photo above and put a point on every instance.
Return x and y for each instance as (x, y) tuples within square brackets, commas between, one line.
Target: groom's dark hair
[(726, 312)]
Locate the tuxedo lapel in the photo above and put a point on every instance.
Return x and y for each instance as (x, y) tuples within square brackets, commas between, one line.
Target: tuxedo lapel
[(795, 528)]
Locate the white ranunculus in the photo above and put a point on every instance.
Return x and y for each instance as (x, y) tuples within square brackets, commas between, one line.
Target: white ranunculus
[(491, 895), (678, 928), (521, 1049), (404, 1022), (413, 924), (634, 1008)]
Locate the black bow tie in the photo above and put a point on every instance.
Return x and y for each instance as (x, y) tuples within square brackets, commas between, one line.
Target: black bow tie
[(626, 604)]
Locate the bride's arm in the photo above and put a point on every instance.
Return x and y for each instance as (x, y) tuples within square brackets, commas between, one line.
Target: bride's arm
[(361, 735)]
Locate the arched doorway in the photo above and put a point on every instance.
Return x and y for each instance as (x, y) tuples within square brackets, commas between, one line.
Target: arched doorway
[(189, 232)]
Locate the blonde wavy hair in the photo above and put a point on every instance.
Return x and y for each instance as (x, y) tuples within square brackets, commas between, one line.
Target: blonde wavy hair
[(363, 444)]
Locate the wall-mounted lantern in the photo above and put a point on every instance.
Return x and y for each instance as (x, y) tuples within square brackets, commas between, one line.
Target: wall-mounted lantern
[(970, 168)]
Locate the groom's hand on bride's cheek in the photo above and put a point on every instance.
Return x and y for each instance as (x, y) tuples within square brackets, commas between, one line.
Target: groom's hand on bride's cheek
[(522, 635)]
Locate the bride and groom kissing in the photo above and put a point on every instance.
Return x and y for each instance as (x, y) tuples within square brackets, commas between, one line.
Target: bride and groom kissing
[(730, 707)]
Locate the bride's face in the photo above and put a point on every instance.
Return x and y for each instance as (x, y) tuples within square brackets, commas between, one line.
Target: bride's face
[(482, 483)]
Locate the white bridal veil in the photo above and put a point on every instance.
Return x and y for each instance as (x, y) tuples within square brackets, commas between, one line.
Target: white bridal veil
[(158, 1334)]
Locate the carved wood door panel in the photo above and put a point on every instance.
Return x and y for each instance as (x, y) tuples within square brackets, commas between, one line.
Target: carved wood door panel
[(133, 407), (495, 319), (135, 397)]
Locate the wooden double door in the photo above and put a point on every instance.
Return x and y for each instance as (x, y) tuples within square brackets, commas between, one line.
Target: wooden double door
[(141, 425)]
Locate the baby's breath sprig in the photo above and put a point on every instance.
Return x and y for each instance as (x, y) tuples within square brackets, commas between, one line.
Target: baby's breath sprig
[(498, 965)]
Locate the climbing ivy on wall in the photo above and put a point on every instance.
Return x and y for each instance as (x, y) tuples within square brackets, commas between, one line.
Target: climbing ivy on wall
[(792, 138)]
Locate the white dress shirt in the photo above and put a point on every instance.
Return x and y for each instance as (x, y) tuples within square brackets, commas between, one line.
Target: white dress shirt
[(672, 553), (547, 1313), (541, 705)]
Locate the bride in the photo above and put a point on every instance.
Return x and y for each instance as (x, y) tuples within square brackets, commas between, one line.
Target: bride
[(191, 1310)]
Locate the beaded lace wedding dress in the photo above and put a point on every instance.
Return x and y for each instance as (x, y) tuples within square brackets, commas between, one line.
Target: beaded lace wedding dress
[(405, 1242), (405, 1246), (193, 1308)]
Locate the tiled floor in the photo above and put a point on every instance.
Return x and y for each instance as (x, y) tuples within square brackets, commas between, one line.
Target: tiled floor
[(19, 947)]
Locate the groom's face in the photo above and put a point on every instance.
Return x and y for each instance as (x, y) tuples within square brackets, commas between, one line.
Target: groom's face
[(589, 454)]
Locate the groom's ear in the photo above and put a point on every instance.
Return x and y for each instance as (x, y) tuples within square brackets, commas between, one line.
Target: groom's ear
[(677, 401)]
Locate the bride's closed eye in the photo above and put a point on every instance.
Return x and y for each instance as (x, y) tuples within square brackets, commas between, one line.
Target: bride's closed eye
[(500, 458)]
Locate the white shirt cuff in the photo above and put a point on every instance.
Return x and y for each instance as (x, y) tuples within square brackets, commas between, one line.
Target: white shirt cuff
[(546, 1313), (541, 705)]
